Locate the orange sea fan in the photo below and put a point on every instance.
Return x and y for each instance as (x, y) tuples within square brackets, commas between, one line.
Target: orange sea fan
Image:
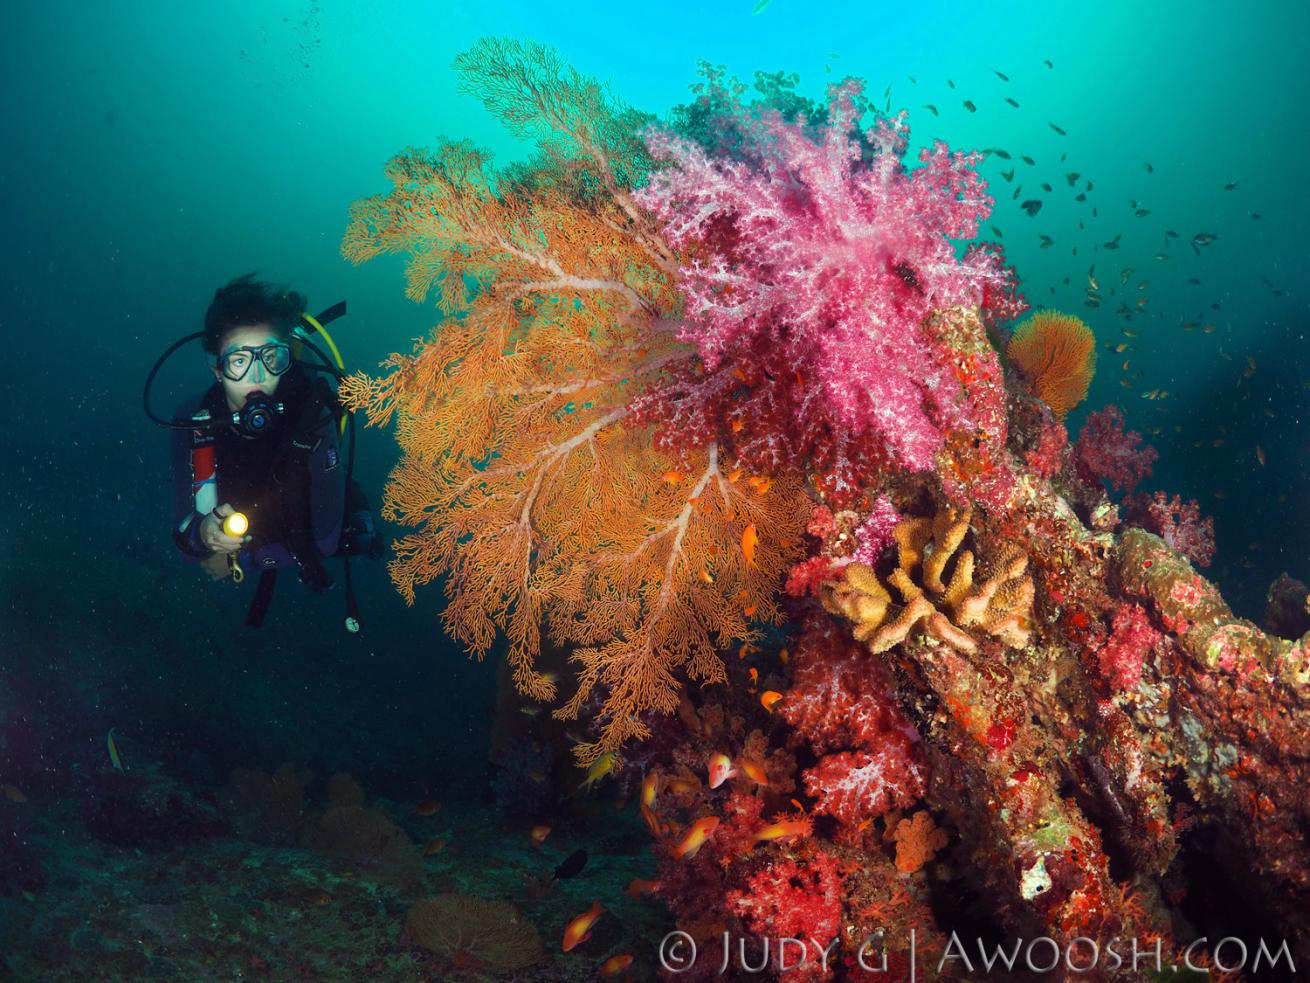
[(1058, 351), (524, 480)]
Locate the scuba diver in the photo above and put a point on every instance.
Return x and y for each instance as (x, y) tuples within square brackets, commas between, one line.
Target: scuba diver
[(258, 480)]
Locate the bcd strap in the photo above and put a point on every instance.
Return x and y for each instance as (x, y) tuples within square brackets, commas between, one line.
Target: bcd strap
[(263, 597)]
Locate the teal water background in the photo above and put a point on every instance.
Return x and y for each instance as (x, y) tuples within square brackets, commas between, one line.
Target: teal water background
[(153, 151)]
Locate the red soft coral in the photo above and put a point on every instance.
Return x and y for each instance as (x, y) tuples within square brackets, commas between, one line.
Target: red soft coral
[(1177, 522), (853, 786), (841, 700), (1105, 452), (1132, 636), (799, 899)]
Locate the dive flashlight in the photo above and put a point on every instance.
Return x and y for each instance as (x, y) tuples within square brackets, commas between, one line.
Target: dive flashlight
[(236, 524)]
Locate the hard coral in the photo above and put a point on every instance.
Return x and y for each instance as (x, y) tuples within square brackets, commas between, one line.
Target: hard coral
[(999, 606)]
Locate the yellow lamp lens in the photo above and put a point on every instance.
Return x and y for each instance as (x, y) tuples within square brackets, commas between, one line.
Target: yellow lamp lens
[(236, 524)]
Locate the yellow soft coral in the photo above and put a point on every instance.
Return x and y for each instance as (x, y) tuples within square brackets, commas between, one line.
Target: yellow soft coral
[(998, 605)]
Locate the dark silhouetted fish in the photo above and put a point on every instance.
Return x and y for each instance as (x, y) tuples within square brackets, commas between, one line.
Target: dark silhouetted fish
[(1149, 168), (1048, 63), (1230, 186), (1046, 187), (1032, 206), (1012, 102), (1072, 177), (571, 865), (1029, 160), (1003, 154), (1003, 78), (1058, 130), (1008, 175), (970, 106), (933, 109)]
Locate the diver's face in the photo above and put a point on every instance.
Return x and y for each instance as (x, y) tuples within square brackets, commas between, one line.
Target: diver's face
[(257, 377)]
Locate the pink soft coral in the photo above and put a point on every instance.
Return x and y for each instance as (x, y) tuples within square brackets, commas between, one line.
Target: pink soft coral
[(811, 270)]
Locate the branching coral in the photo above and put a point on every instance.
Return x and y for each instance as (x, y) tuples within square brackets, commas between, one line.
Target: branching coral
[(1000, 605)]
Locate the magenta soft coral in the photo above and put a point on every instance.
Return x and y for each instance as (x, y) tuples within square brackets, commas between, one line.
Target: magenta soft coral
[(818, 268)]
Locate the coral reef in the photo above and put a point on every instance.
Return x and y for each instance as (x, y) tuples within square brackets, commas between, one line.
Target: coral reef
[(712, 372)]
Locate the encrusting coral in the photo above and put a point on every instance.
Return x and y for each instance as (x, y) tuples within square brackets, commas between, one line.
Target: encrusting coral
[(1000, 605)]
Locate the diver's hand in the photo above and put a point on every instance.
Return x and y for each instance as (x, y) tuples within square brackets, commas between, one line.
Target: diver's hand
[(217, 566), (213, 536)]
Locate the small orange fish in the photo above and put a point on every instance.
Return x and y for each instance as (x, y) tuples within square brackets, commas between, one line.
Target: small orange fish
[(785, 829), (734, 475), (761, 485), (720, 769), (769, 699), (579, 930), (706, 576), (435, 847), (749, 540), (864, 824), (783, 656), (538, 835), (649, 786), (637, 888), (754, 771), (671, 477), (739, 375), (755, 680), (1260, 455), (427, 808), (13, 793), (614, 965), (701, 830), (750, 611), (737, 425), (681, 786)]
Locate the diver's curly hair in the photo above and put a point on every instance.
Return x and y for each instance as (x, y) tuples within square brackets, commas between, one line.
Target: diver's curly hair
[(247, 301)]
